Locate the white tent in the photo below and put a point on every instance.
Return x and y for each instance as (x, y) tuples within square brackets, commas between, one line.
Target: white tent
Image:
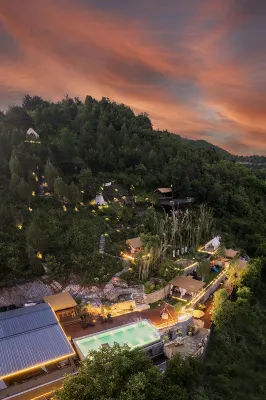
[(99, 200), (214, 243), (31, 133)]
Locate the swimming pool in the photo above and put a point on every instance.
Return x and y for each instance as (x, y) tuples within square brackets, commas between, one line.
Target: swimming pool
[(138, 334)]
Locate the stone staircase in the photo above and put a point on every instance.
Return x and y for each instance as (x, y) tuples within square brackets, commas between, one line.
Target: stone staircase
[(102, 244), (139, 297)]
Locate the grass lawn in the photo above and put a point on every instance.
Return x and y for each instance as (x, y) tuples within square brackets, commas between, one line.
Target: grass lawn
[(213, 275)]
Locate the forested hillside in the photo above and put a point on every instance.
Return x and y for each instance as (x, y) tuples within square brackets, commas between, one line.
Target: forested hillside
[(80, 147)]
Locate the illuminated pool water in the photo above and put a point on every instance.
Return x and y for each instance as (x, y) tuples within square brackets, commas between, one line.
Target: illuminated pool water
[(138, 334)]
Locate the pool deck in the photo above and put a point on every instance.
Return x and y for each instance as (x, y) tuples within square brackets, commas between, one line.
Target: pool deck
[(75, 330)]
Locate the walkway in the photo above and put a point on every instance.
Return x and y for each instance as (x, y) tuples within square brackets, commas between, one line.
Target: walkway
[(207, 291)]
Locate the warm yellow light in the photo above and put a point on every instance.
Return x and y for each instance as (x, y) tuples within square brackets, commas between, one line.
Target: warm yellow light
[(39, 255), (33, 174), (190, 266), (146, 198), (36, 178), (100, 207), (93, 211), (76, 208), (19, 226), (64, 208), (116, 199), (42, 396), (127, 256), (92, 203), (39, 365), (82, 191), (30, 209), (106, 219), (106, 234), (33, 193)]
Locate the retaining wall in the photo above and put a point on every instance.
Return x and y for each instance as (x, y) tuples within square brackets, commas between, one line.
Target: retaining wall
[(210, 290), (158, 295), (190, 269), (179, 326)]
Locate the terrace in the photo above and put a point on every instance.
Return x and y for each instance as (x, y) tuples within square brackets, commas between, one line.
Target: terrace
[(154, 315)]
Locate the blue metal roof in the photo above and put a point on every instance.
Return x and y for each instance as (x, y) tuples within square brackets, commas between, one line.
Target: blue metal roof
[(30, 336), (25, 319)]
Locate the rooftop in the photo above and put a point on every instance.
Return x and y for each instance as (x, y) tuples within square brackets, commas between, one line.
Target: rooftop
[(188, 283), (135, 242), (164, 190), (30, 337), (60, 301), (230, 253)]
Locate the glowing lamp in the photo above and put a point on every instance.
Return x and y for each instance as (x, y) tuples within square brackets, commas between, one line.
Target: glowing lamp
[(76, 208), (30, 209), (39, 255), (19, 226), (64, 208), (164, 316), (33, 193)]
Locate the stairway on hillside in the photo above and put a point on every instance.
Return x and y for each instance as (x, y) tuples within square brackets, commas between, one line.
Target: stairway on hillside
[(139, 298), (138, 295), (102, 244)]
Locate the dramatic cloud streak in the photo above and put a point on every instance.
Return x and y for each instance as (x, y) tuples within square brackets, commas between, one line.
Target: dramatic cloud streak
[(197, 67)]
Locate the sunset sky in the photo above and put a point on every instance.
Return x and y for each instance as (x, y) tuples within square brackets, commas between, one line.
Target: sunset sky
[(197, 67)]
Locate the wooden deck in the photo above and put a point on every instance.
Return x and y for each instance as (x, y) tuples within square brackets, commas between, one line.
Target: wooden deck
[(75, 330)]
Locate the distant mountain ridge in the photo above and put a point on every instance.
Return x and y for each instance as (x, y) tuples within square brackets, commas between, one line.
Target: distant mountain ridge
[(246, 160), (203, 144)]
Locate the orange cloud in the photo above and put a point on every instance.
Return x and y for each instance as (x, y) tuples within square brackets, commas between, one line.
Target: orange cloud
[(183, 83)]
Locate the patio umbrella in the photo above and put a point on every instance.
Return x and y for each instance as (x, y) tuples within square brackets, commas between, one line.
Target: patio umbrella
[(198, 313)]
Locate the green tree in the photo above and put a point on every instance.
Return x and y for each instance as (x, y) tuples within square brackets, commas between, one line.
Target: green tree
[(73, 194), (15, 165), (114, 373), (60, 188), (87, 182), (36, 238), (51, 174), (18, 117), (24, 190), (181, 377), (204, 270)]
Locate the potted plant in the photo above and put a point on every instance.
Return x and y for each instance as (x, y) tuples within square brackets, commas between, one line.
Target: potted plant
[(191, 330)]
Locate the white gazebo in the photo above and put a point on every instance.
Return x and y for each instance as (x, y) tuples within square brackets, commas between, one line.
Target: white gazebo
[(213, 244), (99, 200), (31, 134)]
